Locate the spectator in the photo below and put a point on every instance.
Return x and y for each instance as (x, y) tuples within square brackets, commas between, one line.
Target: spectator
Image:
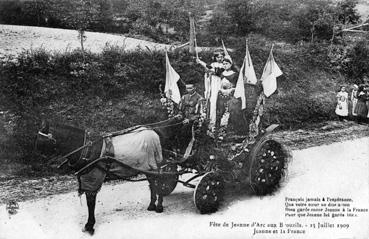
[(361, 108), (353, 99), (342, 104)]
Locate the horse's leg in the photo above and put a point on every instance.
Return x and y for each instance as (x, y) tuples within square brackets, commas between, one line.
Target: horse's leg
[(159, 206), (91, 202), (152, 206)]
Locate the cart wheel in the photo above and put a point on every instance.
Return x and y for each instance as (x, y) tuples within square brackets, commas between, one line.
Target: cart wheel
[(268, 165), (209, 193), (169, 182)]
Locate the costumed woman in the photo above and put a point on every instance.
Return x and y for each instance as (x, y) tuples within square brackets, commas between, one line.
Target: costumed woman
[(225, 96), (212, 84)]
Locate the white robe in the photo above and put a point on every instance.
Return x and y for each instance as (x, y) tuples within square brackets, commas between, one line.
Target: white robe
[(212, 86)]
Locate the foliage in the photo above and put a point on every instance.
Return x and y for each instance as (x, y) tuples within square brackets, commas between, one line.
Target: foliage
[(24, 13), (243, 15), (347, 13), (137, 17), (315, 20), (288, 20), (355, 64), (108, 91), (118, 89)]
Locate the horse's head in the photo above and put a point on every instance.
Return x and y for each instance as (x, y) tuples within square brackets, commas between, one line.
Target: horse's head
[(58, 141), (45, 143)]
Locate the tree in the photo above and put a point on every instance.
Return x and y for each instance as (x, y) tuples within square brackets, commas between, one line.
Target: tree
[(80, 15), (357, 62), (347, 13), (104, 15), (242, 14), (316, 20)]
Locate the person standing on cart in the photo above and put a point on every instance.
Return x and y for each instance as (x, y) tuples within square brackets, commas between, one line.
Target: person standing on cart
[(212, 84), (225, 94)]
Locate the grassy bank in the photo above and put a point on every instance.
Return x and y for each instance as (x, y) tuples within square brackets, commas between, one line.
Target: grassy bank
[(117, 89)]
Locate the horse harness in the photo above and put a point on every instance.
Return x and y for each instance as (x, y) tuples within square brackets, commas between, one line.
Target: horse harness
[(108, 151)]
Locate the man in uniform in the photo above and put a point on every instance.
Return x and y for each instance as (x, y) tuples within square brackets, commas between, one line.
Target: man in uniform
[(191, 104), (191, 108)]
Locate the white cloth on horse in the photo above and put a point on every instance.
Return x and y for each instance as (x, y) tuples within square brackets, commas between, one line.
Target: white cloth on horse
[(139, 149)]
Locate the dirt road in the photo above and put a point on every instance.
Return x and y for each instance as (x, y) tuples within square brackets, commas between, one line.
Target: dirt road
[(335, 170), (14, 39)]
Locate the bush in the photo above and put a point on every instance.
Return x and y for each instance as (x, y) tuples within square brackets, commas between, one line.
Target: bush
[(287, 20), (117, 89), (108, 91), (296, 109), (355, 64)]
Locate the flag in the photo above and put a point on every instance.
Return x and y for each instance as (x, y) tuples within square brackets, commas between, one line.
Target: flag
[(239, 91), (270, 73), (247, 74), (250, 76), (171, 89), (226, 54)]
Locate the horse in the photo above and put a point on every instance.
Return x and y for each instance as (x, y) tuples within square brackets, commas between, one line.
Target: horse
[(95, 160)]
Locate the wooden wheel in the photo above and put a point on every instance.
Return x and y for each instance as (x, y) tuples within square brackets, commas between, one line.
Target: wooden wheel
[(209, 193), (268, 165), (169, 182)]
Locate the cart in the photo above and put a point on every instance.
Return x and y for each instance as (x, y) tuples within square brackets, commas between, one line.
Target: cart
[(255, 161)]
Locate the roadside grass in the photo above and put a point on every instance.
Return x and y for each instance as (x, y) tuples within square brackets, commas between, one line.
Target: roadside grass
[(116, 89)]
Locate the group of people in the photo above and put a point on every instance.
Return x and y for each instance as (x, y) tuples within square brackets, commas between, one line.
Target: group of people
[(220, 81), (355, 104)]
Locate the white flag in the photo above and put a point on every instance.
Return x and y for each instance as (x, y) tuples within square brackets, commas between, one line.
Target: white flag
[(250, 76), (270, 74), (239, 91), (171, 77)]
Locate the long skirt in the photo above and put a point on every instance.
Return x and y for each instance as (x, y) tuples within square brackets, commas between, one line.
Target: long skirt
[(361, 109)]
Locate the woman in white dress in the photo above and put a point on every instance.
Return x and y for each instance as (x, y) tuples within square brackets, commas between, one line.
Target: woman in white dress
[(212, 84), (342, 103)]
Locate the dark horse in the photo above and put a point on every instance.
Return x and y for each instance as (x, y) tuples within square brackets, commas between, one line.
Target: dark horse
[(94, 160)]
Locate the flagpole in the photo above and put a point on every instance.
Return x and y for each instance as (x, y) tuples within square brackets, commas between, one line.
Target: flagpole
[(271, 50), (194, 31), (246, 46)]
